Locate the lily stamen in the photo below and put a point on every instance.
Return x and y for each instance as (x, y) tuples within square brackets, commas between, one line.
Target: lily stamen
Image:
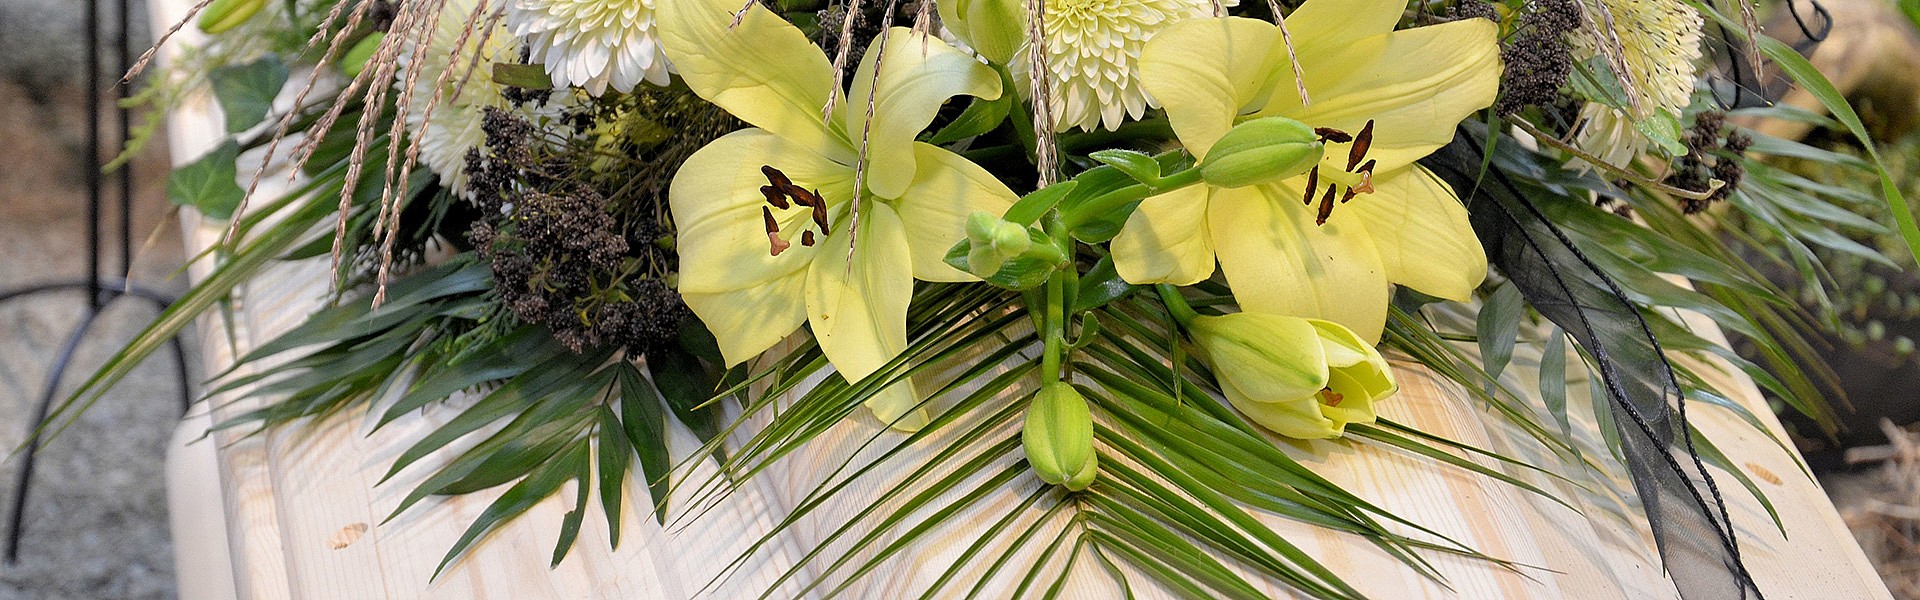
[(1357, 178), (773, 232), (1361, 143), (778, 191), (1330, 397)]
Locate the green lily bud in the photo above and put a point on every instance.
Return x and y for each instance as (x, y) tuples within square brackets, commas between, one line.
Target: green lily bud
[(993, 28), (995, 241), (1262, 151), (1058, 437), (1301, 378), (355, 59), (222, 15)]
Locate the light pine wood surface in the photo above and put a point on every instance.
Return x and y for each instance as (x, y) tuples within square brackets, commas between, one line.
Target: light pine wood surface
[(296, 513)]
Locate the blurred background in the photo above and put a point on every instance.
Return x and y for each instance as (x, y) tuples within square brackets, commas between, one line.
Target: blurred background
[(97, 523)]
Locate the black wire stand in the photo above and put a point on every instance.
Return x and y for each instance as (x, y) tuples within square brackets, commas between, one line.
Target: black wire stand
[(101, 289)]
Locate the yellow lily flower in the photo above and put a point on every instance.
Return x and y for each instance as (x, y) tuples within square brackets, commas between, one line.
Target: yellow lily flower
[(1301, 378), (766, 216), (1285, 251)]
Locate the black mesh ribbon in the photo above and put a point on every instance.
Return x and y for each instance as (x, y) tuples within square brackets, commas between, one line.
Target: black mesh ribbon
[(1683, 506)]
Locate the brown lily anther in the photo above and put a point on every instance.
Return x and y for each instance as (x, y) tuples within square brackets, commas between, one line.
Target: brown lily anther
[(1357, 163), (779, 190)]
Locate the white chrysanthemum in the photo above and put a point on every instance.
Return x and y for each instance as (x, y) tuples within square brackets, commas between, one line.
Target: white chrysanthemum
[(593, 44), (1093, 48), (454, 126), (1660, 43)]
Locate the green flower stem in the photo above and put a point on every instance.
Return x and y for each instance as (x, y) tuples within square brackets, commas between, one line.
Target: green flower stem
[(1055, 333), (1120, 198), (1176, 304)]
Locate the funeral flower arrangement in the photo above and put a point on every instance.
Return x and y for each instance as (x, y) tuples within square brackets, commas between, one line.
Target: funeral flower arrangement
[(1132, 258)]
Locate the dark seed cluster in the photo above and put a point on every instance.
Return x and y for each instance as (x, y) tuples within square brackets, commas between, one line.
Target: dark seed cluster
[(574, 222), (1538, 60), (1710, 156)]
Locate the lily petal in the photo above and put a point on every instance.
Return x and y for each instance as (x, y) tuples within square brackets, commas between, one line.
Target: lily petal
[(1415, 84), (764, 71), (1422, 235), (748, 297), (1278, 261), (859, 311), (1204, 71), (1167, 239), (1298, 419), (1326, 23), (918, 75), (947, 189)]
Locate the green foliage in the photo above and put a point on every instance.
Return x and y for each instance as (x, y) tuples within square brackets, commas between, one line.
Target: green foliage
[(209, 183), (246, 91)]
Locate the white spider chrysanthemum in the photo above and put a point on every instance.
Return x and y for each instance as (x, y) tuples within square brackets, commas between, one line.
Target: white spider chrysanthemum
[(1093, 49), (594, 44), (1660, 44)]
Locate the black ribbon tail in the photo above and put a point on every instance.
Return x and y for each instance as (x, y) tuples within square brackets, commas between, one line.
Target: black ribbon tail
[(1683, 505)]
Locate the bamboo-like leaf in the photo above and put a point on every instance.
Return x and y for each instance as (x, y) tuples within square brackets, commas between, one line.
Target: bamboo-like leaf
[(1553, 379), (570, 524), (517, 499), (1809, 78), (1499, 328), (615, 456)]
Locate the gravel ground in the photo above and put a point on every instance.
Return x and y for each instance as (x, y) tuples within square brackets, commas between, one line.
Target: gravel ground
[(96, 526)]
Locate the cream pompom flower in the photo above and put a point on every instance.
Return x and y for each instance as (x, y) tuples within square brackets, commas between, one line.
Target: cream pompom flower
[(593, 44), (1093, 55), (1659, 42)]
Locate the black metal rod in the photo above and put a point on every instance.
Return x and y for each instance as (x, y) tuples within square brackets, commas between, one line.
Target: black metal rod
[(123, 42), (24, 477), (92, 161), (119, 287), (100, 289)]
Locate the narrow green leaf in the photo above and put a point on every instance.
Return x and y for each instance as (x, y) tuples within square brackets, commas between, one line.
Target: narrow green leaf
[(980, 116), (1810, 79), (570, 523), (1137, 165), (615, 453), (644, 424), (1498, 329), (1553, 379), (1101, 285), (517, 500)]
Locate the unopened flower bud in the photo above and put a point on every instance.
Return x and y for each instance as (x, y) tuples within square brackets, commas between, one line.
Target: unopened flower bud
[(1301, 378), (995, 241), (1262, 151), (356, 58), (993, 28), (222, 15), (1058, 437)]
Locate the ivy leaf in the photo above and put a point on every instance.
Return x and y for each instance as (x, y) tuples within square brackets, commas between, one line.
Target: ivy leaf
[(246, 92), (209, 184)]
